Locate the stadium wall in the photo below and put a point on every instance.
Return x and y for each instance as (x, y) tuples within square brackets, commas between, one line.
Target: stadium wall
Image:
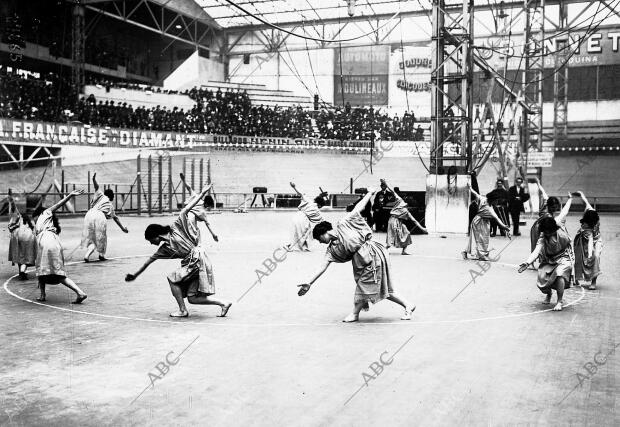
[(235, 171)]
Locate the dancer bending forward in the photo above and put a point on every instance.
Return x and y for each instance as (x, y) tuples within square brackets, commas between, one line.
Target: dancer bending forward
[(352, 241), (194, 279), (95, 233), (556, 267), (480, 229), (50, 264), (588, 246), (23, 244), (398, 235), (307, 217)]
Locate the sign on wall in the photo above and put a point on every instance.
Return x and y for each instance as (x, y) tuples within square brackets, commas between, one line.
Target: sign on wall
[(361, 75), (410, 79), (599, 48)]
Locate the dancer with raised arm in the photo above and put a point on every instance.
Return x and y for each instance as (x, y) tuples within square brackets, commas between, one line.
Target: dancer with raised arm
[(556, 267), (95, 232), (480, 229), (588, 246), (199, 211), (50, 263), (351, 240), (548, 207), (308, 216), (22, 244), (398, 235), (194, 279)]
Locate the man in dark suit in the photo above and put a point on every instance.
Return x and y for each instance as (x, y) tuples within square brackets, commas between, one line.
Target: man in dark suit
[(518, 195), (499, 199), (380, 212)]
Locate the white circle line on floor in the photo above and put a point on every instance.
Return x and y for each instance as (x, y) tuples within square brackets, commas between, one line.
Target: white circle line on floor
[(254, 325)]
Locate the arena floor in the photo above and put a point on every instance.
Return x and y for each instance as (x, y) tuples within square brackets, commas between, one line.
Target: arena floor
[(483, 352)]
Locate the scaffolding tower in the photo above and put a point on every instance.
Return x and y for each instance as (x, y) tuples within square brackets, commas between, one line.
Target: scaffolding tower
[(451, 94)]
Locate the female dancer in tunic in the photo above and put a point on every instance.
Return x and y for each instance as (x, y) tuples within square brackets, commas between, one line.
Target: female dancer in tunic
[(50, 263), (194, 279), (352, 241), (480, 229), (199, 211), (556, 267), (398, 235), (95, 232), (23, 245), (307, 217), (548, 207), (588, 246)]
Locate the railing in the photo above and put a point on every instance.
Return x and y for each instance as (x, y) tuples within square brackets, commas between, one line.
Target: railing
[(128, 200)]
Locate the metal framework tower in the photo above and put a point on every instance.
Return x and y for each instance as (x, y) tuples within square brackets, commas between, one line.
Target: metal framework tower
[(533, 50), (77, 49), (451, 94), (560, 82)]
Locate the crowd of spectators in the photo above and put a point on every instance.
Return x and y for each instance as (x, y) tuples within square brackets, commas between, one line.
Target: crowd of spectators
[(230, 112), (32, 96)]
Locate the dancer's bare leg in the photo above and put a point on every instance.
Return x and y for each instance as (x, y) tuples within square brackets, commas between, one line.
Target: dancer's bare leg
[(559, 282), (404, 251), (42, 289), (409, 308), (89, 252), (355, 314), (177, 293), (81, 296), (210, 300), (22, 272), (548, 297), (592, 286)]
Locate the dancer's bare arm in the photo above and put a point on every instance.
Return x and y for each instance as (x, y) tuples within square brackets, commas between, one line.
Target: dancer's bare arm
[(562, 216), (298, 192), (131, 277), (65, 199), (193, 201), (304, 288), (585, 201)]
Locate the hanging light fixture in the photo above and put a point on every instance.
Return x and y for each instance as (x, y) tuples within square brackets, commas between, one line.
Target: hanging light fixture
[(351, 7), (502, 13)]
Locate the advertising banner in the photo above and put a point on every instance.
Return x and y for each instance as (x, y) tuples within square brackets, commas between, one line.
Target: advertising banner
[(599, 48), (410, 79), (361, 75)]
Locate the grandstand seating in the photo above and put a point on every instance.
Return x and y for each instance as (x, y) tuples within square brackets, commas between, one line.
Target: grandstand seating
[(259, 94)]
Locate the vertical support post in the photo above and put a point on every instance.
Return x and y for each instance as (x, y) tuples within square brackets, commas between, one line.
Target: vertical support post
[(350, 185), (116, 198), (139, 185), (88, 189), (150, 185), (183, 185), (193, 173), (533, 49), (160, 184), (560, 82), (170, 184), (451, 94), (209, 172), (78, 49), (201, 183)]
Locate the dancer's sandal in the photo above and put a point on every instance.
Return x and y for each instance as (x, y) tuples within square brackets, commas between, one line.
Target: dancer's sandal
[(225, 310), (408, 313), (79, 299), (180, 314), (351, 318)]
